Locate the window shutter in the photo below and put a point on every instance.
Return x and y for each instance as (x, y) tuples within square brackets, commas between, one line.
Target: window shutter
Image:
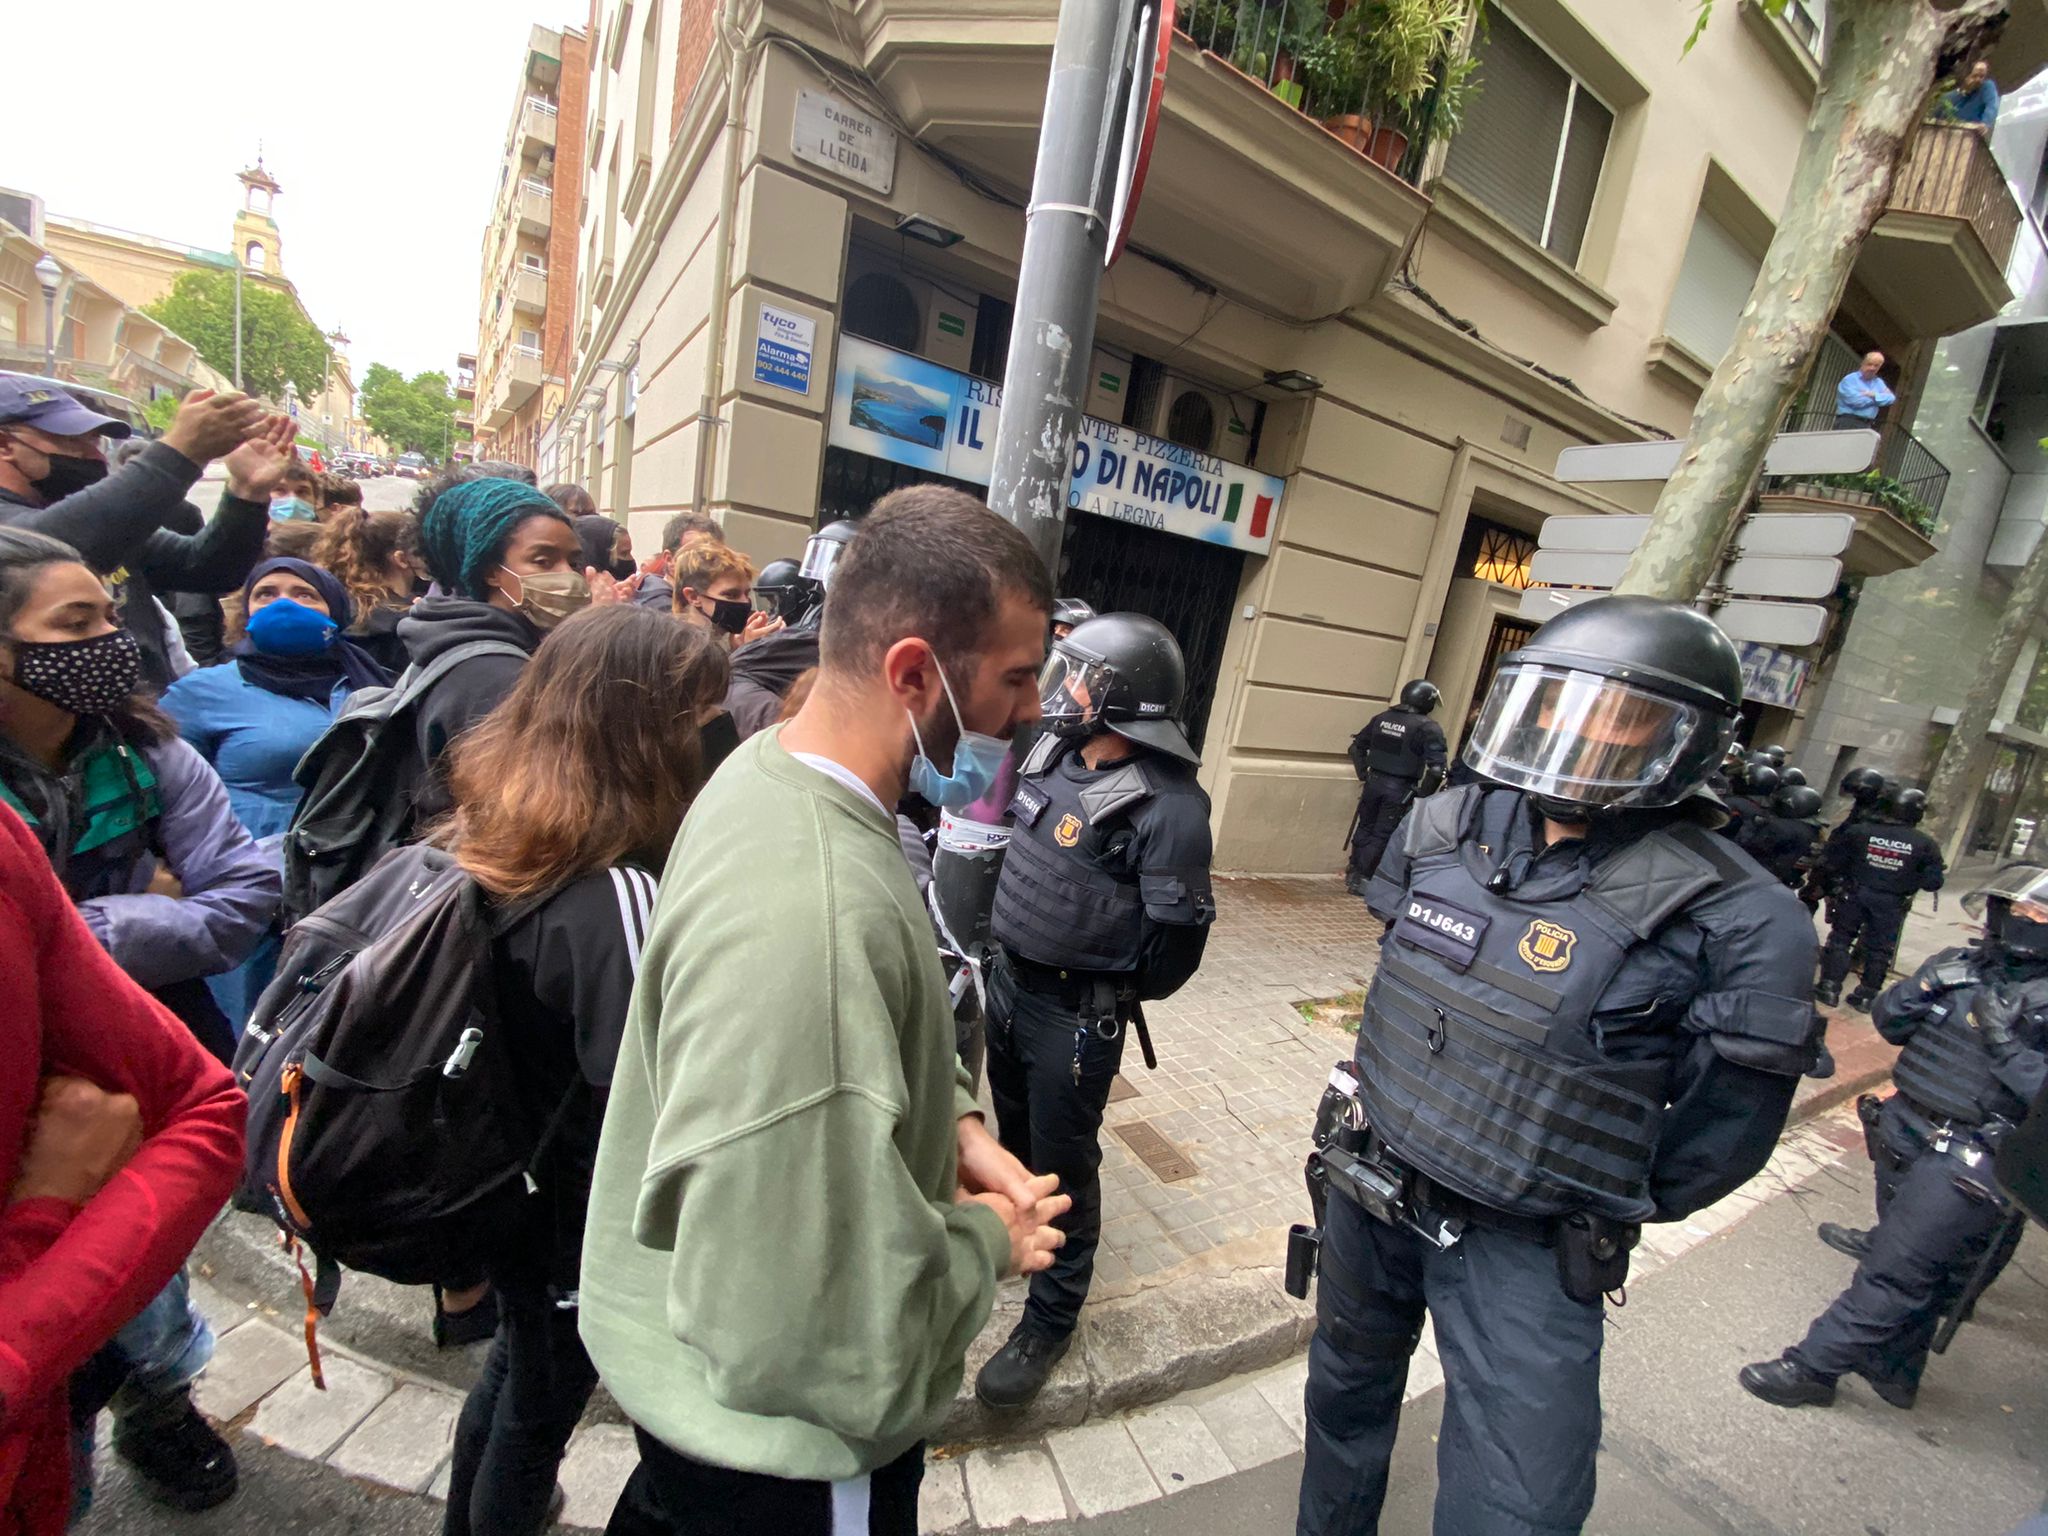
[(1506, 152), (1579, 178), (1713, 285)]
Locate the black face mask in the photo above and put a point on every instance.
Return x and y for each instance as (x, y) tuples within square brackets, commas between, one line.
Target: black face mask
[(730, 614), (622, 570), (67, 476), (2015, 935)]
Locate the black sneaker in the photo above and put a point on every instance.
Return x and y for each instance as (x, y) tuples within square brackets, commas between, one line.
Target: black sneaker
[(178, 1457), (1786, 1383), (1854, 1241), (1016, 1373)]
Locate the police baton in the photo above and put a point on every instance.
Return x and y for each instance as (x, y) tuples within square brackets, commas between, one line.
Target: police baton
[(1144, 1035), (1980, 1278)]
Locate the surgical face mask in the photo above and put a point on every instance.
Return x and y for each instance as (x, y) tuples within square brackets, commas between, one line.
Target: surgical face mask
[(285, 628), (977, 759), (84, 677), (548, 597), (729, 614), (67, 475), (293, 509)]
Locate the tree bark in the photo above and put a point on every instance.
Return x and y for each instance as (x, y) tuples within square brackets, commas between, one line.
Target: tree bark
[(1969, 742), (1880, 65)]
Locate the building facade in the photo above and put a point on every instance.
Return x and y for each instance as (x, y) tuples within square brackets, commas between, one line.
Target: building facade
[(1329, 386), (530, 251)]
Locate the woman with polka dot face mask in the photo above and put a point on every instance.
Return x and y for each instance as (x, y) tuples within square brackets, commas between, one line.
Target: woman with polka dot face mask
[(140, 833)]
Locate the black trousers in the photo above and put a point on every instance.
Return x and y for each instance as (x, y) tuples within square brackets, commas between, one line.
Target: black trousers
[(1381, 805), (1876, 918), (517, 1419), (1936, 1218), (1052, 1123), (669, 1494), (1521, 1421)]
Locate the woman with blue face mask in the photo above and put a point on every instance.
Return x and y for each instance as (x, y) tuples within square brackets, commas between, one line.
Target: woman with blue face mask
[(253, 717)]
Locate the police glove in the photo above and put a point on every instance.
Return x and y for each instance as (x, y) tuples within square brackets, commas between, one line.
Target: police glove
[(1996, 1013)]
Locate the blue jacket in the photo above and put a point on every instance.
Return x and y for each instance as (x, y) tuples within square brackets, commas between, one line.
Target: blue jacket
[(253, 738)]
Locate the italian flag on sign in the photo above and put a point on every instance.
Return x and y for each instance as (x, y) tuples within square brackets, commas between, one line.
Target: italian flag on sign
[(1262, 511)]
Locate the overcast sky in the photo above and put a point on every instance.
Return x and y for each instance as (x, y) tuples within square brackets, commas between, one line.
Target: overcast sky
[(384, 121)]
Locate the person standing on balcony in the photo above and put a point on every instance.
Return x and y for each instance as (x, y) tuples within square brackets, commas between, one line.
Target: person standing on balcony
[(1974, 103), (1861, 395)]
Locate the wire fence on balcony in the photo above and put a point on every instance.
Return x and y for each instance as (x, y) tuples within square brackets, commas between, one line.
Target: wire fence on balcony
[(1906, 479)]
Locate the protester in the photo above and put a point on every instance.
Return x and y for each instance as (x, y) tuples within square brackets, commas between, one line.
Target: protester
[(763, 1357), (566, 801), (1974, 103), (296, 496), (337, 493), (142, 838), (684, 528), (606, 546), (54, 481), (573, 499), (119, 1139), (1862, 394), (713, 588), (253, 720), (376, 556)]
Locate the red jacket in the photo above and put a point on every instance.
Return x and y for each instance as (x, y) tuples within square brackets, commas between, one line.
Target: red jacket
[(71, 1276)]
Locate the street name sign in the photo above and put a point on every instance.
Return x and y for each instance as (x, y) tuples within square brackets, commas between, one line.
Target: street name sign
[(1766, 623), (1790, 453), (1809, 534), (1782, 576)]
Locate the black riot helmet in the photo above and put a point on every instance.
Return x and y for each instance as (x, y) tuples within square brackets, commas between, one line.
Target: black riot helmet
[(1735, 768), (1903, 804), (2014, 906), (1621, 702), (1118, 672), (780, 590), (1865, 786), (1777, 756), (1794, 778), (822, 551), (1796, 801), (1068, 612), (1764, 781), (1420, 696)]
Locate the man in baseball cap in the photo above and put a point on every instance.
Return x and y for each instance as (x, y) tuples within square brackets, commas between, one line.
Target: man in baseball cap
[(41, 404)]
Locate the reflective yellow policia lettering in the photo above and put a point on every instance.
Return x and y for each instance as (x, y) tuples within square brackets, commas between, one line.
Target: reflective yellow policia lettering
[(1068, 832), (1546, 947)]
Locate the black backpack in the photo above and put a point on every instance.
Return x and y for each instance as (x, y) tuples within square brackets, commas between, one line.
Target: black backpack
[(360, 779), (387, 1129)]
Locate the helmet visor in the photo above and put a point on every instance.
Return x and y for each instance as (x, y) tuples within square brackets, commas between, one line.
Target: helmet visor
[(821, 555), (2024, 885), (1072, 689), (1577, 736)]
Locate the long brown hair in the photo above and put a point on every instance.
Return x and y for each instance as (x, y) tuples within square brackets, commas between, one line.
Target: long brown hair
[(358, 547), (592, 758)]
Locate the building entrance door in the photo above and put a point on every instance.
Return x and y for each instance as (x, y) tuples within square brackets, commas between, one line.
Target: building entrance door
[(2011, 771), (1506, 635)]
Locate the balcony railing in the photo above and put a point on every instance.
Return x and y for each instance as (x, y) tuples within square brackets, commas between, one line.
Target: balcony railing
[(1288, 47), (1948, 172), (1906, 480)]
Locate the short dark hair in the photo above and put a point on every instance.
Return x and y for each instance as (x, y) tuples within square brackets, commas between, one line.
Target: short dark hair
[(929, 561), (683, 524), (572, 499)]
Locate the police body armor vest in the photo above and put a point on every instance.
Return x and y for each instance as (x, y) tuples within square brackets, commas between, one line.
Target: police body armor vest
[(1889, 860), (1062, 900), (1477, 1058), (1946, 1068), (1393, 743)]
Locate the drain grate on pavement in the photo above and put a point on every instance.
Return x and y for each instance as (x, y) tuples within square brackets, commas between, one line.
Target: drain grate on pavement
[(1121, 1088), (1168, 1163)]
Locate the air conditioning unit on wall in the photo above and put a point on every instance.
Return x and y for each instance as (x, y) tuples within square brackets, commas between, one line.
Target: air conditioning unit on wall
[(932, 321), (1198, 417)]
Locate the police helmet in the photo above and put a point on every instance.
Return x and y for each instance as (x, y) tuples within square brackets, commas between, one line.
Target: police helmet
[(1792, 777), (1764, 781), (2014, 906), (1797, 801), (1904, 804), (1420, 696), (781, 590), (1069, 611), (1863, 785), (1120, 672), (822, 552), (1620, 702), (1777, 756)]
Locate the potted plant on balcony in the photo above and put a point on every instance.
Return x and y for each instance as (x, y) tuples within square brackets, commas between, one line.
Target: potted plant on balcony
[(1385, 68)]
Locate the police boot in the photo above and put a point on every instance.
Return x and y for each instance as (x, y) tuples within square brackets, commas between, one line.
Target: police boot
[(1829, 992), (1895, 1390), (1863, 997), (1016, 1373), (1786, 1383), (1854, 1241), (177, 1455)]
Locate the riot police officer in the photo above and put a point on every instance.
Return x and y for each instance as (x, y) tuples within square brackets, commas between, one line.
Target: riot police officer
[(1863, 787), (1399, 757), (1589, 1012), (1783, 838), (1067, 612), (1871, 870), (781, 591), (1974, 1026), (1103, 904), (1760, 783)]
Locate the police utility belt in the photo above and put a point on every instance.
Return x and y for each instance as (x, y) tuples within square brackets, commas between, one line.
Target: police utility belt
[(1103, 999), (1352, 1161)]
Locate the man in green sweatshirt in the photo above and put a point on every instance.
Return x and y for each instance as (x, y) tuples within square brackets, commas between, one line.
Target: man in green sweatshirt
[(798, 1219)]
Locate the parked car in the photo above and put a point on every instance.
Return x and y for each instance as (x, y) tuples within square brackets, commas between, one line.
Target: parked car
[(412, 466)]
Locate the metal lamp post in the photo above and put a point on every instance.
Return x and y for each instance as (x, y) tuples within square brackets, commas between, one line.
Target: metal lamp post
[(238, 320), (49, 275)]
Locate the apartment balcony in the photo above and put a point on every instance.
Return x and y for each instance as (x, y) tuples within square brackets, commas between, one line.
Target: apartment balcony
[(534, 207), (1896, 502), (1246, 188), (537, 126), (530, 291), (1936, 259), (518, 377)]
